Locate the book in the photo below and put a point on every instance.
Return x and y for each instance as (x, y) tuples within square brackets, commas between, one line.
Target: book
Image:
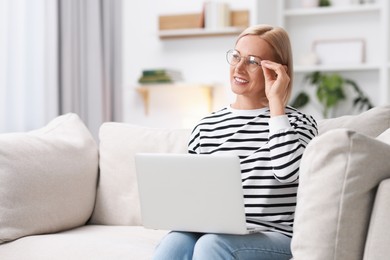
[(151, 76)]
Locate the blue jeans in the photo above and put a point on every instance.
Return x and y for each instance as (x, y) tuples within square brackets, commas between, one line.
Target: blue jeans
[(199, 246)]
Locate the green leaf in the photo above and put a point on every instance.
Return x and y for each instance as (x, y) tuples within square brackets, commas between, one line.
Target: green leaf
[(301, 100), (331, 90)]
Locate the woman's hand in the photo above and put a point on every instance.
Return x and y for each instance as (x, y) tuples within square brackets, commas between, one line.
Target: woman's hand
[(276, 83)]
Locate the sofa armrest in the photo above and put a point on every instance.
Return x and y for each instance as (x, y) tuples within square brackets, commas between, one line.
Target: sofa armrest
[(378, 238)]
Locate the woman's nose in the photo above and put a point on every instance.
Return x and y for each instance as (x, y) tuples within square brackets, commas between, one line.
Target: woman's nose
[(241, 65)]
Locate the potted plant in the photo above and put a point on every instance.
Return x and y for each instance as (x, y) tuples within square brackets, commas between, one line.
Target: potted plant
[(330, 92)]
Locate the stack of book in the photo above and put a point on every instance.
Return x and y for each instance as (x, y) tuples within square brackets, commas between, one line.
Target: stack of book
[(216, 15), (156, 76)]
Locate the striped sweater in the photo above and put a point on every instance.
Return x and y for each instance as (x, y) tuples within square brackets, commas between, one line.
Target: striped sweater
[(270, 150)]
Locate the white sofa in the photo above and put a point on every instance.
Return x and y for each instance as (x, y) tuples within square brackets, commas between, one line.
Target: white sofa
[(63, 196)]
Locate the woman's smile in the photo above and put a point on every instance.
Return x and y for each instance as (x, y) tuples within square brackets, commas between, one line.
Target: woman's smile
[(240, 80)]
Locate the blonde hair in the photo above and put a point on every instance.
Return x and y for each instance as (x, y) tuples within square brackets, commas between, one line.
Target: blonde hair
[(279, 40)]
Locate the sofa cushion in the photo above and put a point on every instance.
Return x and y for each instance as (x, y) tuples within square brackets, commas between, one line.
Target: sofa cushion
[(47, 178), (117, 200), (371, 122), (340, 172), (90, 242)]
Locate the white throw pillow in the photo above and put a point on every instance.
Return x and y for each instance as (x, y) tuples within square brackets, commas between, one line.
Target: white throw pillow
[(371, 122), (339, 175), (117, 201), (47, 178)]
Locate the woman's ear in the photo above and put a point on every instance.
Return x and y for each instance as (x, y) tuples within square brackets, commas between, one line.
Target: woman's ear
[(285, 68)]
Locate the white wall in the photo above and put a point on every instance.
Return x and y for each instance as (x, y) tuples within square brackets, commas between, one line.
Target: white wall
[(201, 60)]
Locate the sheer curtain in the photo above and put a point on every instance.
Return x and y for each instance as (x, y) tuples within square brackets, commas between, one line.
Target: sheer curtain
[(59, 56), (28, 84)]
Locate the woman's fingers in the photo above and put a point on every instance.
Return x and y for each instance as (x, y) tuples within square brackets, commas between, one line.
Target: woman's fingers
[(276, 79), (278, 69)]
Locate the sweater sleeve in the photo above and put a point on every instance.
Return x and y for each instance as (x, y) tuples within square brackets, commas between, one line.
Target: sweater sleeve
[(288, 138), (194, 142)]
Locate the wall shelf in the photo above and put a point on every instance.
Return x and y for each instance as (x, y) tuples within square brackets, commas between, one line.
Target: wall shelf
[(195, 25), (199, 32), (146, 91)]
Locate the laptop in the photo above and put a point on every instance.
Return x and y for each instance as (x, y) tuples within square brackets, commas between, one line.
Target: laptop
[(187, 192)]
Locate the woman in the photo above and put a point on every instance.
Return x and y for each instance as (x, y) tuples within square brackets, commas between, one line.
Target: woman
[(268, 136)]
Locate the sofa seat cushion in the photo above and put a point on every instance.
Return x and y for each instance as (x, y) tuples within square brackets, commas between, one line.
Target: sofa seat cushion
[(87, 242), (117, 201), (340, 173), (47, 178)]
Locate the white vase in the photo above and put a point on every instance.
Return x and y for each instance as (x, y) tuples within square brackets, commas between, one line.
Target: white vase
[(309, 3)]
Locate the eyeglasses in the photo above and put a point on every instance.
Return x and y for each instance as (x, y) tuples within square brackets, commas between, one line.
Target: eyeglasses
[(233, 57)]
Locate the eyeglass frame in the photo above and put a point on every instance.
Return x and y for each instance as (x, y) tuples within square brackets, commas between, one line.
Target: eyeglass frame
[(247, 59)]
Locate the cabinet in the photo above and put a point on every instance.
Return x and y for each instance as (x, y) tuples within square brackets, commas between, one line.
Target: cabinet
[(369, 22)]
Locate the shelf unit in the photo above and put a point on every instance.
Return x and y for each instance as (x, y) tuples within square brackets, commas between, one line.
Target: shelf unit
[(367, 21)]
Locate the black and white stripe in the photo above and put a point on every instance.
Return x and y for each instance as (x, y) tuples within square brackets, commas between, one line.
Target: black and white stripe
[(269, 160)]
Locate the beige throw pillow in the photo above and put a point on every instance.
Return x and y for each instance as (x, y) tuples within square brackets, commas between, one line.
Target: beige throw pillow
[(340, 172), (371, 123), (117, 200), (47, 178)]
